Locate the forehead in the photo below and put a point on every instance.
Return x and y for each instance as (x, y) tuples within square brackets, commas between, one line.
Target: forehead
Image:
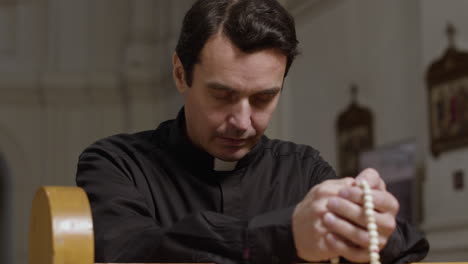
[(221, 61)]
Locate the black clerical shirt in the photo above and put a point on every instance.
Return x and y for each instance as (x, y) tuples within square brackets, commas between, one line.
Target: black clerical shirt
[(156, 198)]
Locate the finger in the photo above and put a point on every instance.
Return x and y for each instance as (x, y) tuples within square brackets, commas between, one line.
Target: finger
[(355, 214), (330, 187), (341, 248), (356, 234), (346, 230), (373, 178), (347, 210), (386, 224), (384, 201)]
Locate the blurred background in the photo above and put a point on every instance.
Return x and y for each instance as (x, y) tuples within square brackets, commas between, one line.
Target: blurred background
[(74, 71)]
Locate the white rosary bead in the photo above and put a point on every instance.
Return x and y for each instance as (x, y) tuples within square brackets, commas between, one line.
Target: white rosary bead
[(370, 212), (373, 248), (374, 256), (374, 241), (369, 205), (368, 200), (371, 226)]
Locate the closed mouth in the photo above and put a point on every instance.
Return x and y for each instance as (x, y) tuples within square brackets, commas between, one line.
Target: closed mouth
[(234, 142)]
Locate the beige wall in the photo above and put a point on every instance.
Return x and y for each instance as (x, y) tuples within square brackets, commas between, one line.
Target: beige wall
[(446, 210), (73, 72), (385, 47)]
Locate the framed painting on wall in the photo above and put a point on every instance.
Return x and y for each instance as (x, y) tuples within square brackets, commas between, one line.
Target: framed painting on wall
[(447, 84), (355, 134)]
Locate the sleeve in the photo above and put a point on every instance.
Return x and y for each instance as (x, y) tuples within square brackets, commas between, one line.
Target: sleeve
[(126, 231), (405, 245)]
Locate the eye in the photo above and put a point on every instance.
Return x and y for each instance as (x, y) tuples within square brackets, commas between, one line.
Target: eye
[(264, 98), (223, 95)]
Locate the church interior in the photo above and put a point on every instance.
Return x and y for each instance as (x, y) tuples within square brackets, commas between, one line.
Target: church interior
[(72, 72)]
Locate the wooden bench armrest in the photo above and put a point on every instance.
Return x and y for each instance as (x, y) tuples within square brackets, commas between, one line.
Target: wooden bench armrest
[(61, 227)]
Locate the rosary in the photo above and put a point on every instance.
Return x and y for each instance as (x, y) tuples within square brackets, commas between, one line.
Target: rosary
[(371, 225)]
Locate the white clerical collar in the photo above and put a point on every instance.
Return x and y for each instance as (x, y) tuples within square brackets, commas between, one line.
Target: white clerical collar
[(221, 165)]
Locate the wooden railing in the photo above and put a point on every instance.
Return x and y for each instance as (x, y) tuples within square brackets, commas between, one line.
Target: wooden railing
[(61, 228)]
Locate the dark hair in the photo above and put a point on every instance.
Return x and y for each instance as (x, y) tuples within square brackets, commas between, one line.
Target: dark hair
[(251, 25)]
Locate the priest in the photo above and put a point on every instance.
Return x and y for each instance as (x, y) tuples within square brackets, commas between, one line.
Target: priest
[(209, 186)]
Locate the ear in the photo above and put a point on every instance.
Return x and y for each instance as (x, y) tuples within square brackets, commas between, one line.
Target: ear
[(178, 73)]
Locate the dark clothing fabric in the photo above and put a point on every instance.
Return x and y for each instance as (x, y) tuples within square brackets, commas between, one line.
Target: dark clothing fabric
[(156, 198)]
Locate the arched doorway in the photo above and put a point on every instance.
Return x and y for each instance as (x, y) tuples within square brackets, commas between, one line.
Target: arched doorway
[(5, 212)]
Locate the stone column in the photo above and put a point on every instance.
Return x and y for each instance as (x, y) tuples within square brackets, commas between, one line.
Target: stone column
[(141, 68), (7, 28)]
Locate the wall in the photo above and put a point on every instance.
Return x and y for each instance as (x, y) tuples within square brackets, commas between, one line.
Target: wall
[(446, 210), (72, 72), (385, 47), (372, 43)]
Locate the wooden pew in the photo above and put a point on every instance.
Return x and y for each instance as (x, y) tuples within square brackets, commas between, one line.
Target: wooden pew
[(61, 228)]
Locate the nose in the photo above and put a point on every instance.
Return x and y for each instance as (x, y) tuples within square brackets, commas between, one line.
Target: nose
[(240, 118)]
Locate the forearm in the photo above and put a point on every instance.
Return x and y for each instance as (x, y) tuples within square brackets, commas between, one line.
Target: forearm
[(202, 237), (270, 237)]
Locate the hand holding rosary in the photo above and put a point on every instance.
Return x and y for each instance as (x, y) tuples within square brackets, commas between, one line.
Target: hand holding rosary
[(371, 224)]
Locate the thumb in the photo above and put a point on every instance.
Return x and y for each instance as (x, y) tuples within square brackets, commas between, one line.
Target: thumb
[(373, 178)]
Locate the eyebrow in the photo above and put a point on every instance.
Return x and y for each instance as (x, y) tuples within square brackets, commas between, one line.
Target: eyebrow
[(219, 86)]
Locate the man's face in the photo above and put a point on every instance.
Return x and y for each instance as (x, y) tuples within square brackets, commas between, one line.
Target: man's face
[(232, 97)]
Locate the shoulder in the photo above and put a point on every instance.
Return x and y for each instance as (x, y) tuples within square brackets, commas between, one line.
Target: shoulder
[(129, 144), (117, 147)]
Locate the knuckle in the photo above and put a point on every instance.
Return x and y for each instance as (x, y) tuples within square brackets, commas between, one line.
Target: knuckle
[(348, 181), (317, 210), (356, 194), (371, 172), (321, 190), (371, 175), (395, 205), (389, 226), (378, 198), (319, 229), (363, 238), (392, 225)]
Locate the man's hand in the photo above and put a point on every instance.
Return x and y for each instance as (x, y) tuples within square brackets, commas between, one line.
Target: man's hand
[(310, 233), (331, 222)]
